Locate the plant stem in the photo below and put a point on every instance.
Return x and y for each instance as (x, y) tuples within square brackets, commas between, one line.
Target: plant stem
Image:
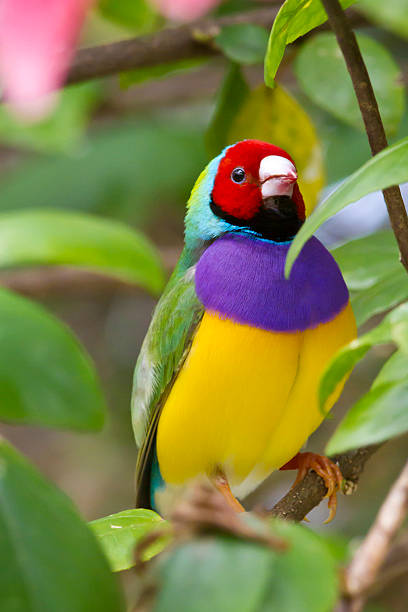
[(371, 116)]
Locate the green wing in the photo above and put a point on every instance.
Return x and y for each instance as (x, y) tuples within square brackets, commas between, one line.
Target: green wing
[(164, 349)]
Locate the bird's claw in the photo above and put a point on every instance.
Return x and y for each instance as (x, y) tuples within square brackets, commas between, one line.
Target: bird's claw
[(328, 471)]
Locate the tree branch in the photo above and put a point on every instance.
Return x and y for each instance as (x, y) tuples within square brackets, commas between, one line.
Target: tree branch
[(171, 44), (371, 116), (363, 569), (308, 493)]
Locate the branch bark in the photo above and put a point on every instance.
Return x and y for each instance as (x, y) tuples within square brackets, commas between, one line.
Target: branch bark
[(367, 561), (308, 493), (171, 44), (371, 116)]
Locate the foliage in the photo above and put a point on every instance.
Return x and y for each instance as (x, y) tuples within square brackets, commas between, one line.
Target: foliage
[(78, 240), (49, 558), (65, 393), (294, 19), (323, 76), (390, 167), (249, 577), (71, 196), (243, 43)]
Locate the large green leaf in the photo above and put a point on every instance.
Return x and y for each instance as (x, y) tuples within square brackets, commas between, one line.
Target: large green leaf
[(241, 575), (379, 415), (392, 14), (390, 167), (322, 73), (118, 534), (221, 574), (295, 18), (393, 328), (275, 116), (46, 378), (49, 559), (394, 370), (80, 240), (244, 43), (234, 91), (366, 261), (388, 292), (373, 273), (293, 586)]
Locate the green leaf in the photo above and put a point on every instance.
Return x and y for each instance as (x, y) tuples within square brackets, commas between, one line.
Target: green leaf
[(46, 378), (374, 274), (137, 15), (394, 370), (49, 558), (392, 14), (73, 239), (379, 415), (220, 573), (62, 130), (233, 93), (390, 167), (293, 586), (241, 575), (118, 535), (393, 328), (275, 116), (366, 261), (295, 18), (388, 292), (244, 43), (323, 75), (134, 77)]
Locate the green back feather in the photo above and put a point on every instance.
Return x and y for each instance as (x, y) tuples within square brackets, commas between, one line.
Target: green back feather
[(164, 349)]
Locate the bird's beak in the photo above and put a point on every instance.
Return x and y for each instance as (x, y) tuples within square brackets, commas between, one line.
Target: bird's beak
[(277, 176)]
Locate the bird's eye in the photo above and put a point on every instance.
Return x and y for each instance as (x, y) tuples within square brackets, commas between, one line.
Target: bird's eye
[(238, 175)]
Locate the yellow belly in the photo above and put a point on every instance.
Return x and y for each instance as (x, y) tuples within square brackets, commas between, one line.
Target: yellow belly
[(245, 399)]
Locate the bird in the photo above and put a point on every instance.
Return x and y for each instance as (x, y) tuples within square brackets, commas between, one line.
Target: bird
[(226, 383)]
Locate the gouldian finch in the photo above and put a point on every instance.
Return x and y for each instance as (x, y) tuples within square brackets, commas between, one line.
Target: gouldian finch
[(226, 384)]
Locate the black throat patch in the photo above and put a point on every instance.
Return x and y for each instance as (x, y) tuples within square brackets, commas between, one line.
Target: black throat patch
[(276, 220)]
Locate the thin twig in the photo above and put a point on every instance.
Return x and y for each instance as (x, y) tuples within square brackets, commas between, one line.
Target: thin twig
[(362, 571), (371, 116), (308, 493)]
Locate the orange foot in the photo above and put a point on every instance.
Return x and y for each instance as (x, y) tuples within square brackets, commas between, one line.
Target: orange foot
[(325, 468), (220, 482)]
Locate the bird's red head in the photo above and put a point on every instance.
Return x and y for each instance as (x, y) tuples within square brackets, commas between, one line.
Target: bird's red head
[(256, 187)]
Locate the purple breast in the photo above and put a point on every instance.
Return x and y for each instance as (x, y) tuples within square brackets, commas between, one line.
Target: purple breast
[(243, 279)]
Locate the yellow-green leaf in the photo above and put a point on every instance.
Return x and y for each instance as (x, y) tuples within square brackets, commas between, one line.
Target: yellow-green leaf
[(118, 535), (275, 116)]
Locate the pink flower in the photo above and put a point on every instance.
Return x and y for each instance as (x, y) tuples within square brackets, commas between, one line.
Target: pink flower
[(37, 42), (184, 10)]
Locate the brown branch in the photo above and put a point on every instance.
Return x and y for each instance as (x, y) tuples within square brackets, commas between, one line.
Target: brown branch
[(168, 45), (362, 571), (171, 44), (371, 116), (308, 493)]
